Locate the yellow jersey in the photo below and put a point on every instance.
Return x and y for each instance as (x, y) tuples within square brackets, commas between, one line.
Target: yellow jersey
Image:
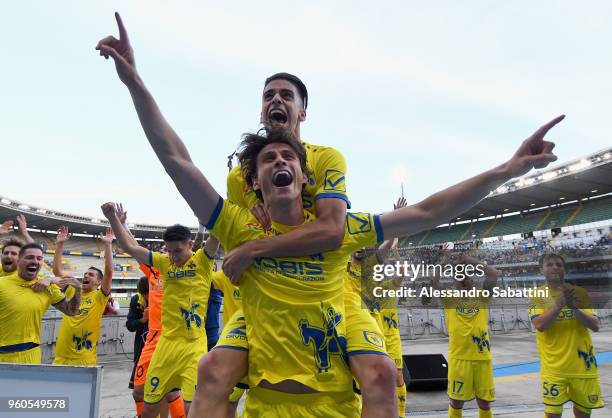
[(78, 335), (356, 275), (186, 292), (293, 306), (565, 348), (326, 180), (231, 295), (22, 309), (467, 321)]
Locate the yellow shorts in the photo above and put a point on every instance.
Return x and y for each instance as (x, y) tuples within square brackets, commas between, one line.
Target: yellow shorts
[(233, 335), (174, 365), (584, 392), (363, 335), (393, 343), (81, 361), (265, 403), (31, 356), (468, 379)]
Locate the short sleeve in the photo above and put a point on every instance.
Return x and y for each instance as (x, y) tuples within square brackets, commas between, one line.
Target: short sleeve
[(56, 294), (362, 230), (157, 259), (329, 166), (102, 298), (231, 224)]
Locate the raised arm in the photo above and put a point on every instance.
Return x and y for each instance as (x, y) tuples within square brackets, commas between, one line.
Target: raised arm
[(491, 274), (107, 279), (124, 238), (63, 235), (199, 238), (440, 207), (170, 150), (22, 227)]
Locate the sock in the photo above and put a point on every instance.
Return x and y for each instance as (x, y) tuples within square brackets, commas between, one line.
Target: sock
[(177, 407), (139, 405), (485, 413), (454, 413), (401, 401)]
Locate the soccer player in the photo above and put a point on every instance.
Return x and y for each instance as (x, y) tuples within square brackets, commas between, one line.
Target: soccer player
[(24, 298), (470, 367), (203, 199), (568, 366), (173, 401), (11, 247), (77, 340), (186, 280), (284, 104)]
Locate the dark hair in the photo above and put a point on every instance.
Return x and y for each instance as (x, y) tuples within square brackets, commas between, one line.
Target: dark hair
[(176, 233), (100, 274), (252, 144), (28, 246), (11, 242), (143, 285), (293, 80), (545, 257)]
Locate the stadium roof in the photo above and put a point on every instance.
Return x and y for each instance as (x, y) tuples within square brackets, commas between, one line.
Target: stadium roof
[(583, 178)]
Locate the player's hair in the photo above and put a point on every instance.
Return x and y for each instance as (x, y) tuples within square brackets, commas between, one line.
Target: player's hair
[(11, 242), (293, 80), (100, 274), (252, 144), (143, 285), (176, 233), (547, 256), (28, 246)]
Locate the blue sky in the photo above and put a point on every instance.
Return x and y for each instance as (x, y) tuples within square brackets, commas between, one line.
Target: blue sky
[(418, 92)]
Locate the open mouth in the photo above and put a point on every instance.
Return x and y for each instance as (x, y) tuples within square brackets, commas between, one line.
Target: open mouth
[(277, 116), (282, 178), (32, 268)]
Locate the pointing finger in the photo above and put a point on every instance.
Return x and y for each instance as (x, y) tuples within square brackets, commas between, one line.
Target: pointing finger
[(123, 36)]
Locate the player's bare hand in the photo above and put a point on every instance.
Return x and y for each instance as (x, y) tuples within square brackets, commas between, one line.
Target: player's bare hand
[(22, 224), (41, 285), (6, 227), (570, 297), (63, 235), (534, 152), (121, 52), (109, 210), (121, 213), (261, 213), (236, 262), (401, 203), (107, 237)]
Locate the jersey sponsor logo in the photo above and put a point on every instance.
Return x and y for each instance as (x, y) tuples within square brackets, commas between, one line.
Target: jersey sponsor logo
[(83, 342), (325, 341), (467, 309), (482, 342), (334, 181), (238, 332), (390, 320), (190, 316), (566, 314), (588, 357), (187, 273), (358, 223), (289, 268), (374, 339)]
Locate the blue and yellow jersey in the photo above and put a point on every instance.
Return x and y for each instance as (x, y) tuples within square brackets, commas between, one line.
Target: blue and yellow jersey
[(293, 306), (467, 321), (231, 294), (22, 309), (185, 295), (565, 348), (78, 335), (327, 179)]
